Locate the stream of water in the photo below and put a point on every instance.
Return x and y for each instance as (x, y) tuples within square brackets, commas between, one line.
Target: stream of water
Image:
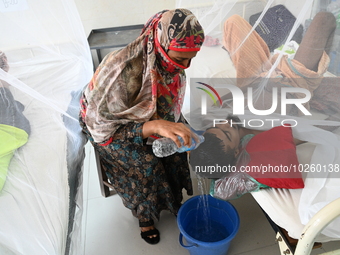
[(203, 227)]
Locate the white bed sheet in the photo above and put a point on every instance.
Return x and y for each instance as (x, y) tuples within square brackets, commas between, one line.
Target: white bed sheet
[(34, 204), (282, 205), (35, 200)]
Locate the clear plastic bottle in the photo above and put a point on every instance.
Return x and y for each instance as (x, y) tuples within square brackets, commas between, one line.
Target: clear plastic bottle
[(164, 147)]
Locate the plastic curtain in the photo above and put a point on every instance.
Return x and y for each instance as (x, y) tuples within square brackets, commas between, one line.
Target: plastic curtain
[(237, 73), (45, 63)]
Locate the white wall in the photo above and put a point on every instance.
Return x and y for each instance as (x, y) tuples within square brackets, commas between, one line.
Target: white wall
[(113, 13)]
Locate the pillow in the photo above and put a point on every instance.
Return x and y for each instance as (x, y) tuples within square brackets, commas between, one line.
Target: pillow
[(273, 153)]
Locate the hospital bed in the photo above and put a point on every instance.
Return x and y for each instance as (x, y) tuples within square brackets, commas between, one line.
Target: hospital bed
[(281, 206), (286, 209), (50, 63)]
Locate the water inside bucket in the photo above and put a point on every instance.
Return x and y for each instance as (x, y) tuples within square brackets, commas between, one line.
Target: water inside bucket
[(202, 228), (216, 231)]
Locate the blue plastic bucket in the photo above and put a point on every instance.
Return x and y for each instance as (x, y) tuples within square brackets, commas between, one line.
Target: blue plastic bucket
[(208, 225)]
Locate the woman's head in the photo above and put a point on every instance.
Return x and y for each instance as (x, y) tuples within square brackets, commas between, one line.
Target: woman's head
[(179, 37), (179, 30)]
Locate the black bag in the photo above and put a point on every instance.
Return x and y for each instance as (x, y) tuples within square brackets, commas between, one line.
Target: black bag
[(276, 25)]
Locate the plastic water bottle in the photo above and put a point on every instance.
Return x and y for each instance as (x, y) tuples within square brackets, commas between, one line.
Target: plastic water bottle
[(164, 147)]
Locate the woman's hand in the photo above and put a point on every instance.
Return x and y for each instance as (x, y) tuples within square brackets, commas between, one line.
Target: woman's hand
[(168, 129)]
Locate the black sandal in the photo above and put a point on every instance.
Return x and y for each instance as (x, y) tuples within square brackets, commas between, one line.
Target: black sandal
[(151, 240)]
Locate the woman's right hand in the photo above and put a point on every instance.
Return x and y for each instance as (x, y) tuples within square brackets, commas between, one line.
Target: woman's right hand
[(168, 129)]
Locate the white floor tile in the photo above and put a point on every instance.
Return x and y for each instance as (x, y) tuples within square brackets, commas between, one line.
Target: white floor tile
[(318, 251), (93, 187), (111, 227), (268, 250), (255, 232), (330, 246), (87, 167)]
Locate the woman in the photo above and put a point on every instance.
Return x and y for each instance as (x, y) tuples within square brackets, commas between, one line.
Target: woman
[(137, 92)]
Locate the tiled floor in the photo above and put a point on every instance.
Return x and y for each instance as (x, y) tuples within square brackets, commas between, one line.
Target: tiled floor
[(110, 228)]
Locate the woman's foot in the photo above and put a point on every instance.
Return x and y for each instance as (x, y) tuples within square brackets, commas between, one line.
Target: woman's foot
[(150, 234)]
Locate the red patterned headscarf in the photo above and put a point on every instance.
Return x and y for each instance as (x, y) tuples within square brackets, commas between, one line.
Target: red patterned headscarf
[(141, 82)]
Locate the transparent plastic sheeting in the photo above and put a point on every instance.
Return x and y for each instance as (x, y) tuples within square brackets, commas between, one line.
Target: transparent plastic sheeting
[(215, 66), (49, 63)]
